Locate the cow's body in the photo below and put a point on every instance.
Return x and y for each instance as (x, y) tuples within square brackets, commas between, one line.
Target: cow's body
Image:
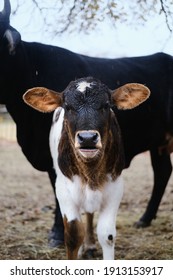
[(87, 152), (34, 64)]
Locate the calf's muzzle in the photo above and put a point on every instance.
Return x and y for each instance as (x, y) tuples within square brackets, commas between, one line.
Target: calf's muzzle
[(87, 139), (88, 143)]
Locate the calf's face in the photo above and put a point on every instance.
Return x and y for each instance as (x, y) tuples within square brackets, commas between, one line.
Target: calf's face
[(87, 116), (87, 104)]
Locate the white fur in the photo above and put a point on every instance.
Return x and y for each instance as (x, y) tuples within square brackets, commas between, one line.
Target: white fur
[(83, 85), (75, 198), (55, 135)]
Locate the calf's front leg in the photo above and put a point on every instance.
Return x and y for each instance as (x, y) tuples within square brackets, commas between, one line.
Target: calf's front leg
[(73, 227), (89, 242), (74, 236), (106, 226)]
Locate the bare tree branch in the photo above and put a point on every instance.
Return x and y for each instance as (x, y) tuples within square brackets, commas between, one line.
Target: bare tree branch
[(70, 18), (60, 16), (164, 10)]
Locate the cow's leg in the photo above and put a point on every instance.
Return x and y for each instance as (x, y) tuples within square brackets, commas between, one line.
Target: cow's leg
[(89, 242), (56, 235), (73, 226), (106, 227), (162, 168), (74, 236)]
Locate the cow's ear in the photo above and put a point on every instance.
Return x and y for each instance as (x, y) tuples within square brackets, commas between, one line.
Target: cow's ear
[(43, 99), (130, 95)]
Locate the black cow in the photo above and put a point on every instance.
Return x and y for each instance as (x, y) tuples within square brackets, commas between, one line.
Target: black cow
[(24, 65)]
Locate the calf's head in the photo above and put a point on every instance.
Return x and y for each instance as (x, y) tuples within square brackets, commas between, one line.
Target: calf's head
[(87, 104)]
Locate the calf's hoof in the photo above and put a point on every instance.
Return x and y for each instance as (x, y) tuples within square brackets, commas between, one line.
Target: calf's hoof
[(56, 237), (90, 253)]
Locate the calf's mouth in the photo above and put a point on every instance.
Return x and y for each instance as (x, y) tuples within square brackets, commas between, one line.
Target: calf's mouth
[(88, 152)]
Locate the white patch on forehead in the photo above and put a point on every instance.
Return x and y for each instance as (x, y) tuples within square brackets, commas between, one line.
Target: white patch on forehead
[(83, 85)]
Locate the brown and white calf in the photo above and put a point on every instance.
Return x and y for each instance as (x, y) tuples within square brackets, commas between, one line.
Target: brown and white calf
[(86, 148)]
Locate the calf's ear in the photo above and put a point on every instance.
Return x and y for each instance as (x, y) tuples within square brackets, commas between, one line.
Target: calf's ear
[(130, 95), (43, 99)]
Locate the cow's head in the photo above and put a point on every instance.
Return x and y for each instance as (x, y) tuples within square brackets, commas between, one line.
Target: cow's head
[(9, 37), (9, 40), (87, 104)]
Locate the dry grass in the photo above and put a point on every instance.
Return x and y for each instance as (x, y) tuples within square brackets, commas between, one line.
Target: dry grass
[(27, 203)]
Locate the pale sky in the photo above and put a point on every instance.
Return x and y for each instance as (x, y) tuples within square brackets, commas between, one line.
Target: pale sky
[(107, 42)]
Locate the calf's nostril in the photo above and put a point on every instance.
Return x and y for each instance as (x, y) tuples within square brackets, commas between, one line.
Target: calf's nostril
[(95, 137), (80, 138)]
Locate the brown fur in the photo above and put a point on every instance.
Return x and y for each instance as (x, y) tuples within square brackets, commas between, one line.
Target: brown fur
[(74, 236), (130, 95), (94, 171), (43, 99)]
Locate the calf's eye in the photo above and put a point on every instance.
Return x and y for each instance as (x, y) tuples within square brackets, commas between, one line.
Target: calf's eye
[(68, 107), (105, 106)]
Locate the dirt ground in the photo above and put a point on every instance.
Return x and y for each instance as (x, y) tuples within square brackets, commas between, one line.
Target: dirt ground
[(27, 205)]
